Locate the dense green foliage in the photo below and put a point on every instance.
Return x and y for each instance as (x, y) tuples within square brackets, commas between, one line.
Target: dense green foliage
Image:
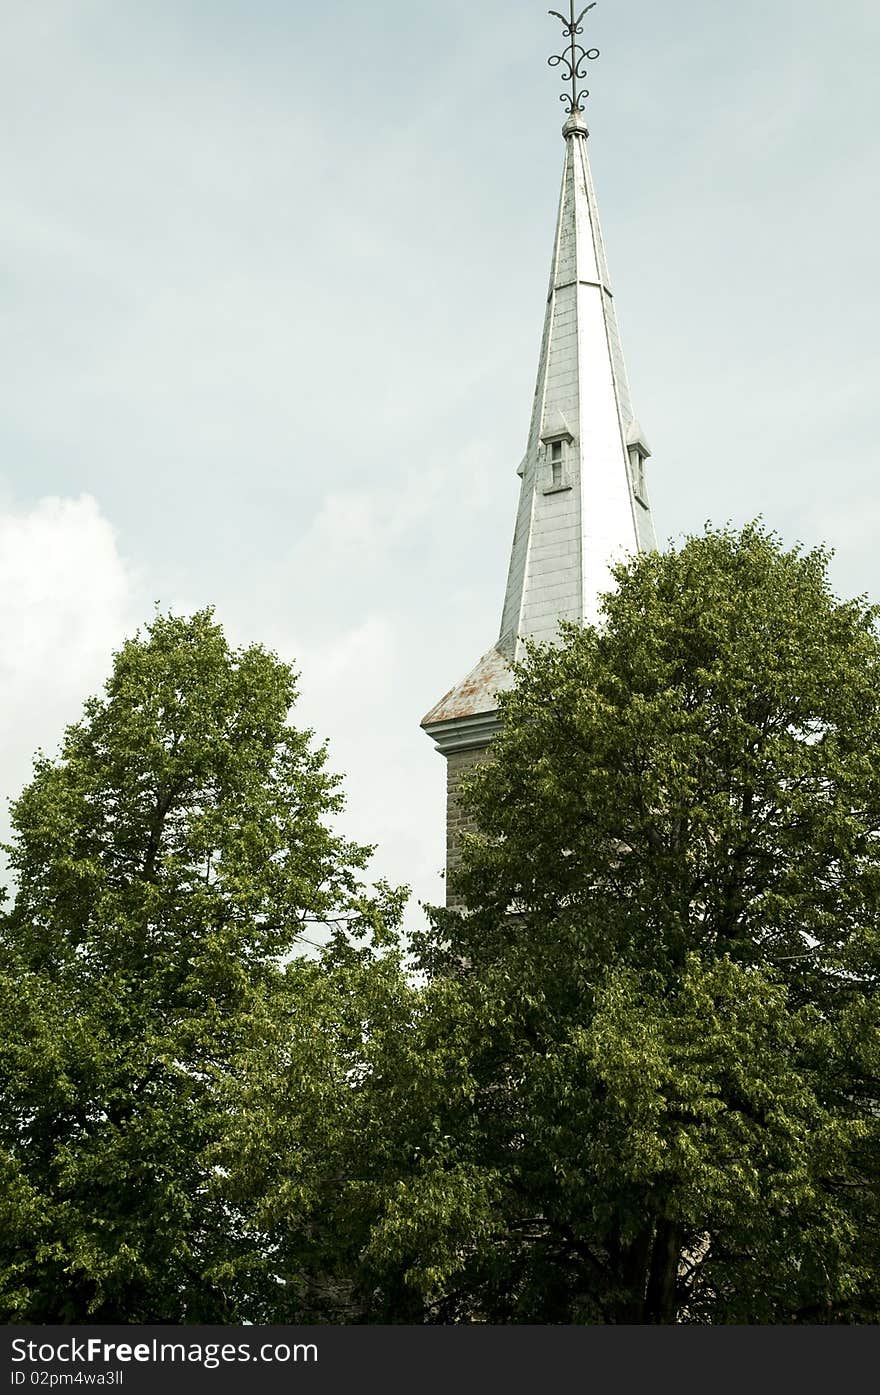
[(166, 866), (656, 1022), (636, 1079)]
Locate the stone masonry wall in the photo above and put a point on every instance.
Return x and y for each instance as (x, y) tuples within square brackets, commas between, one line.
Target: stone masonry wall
[(459, 764)]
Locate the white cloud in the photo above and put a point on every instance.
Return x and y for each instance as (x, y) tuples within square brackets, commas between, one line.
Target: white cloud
[(66, 601), (363, 524), (362, 657)]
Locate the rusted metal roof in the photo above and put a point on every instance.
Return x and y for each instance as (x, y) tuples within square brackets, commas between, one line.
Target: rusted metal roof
[(476, 693)]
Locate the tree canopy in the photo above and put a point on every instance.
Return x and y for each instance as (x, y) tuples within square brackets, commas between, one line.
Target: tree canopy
[(167, 866), (653, 1093)]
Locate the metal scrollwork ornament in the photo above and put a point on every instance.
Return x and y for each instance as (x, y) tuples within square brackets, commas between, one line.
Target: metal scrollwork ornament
[(573, 61)]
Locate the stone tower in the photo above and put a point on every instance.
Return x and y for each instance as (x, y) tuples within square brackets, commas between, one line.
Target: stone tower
[(583, 501)]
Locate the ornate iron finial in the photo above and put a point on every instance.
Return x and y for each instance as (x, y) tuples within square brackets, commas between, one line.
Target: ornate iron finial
[(574, 60)]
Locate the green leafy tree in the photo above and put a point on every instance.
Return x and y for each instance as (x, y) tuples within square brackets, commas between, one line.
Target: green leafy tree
[(319, 1132), (167, 867), (643, 1086)]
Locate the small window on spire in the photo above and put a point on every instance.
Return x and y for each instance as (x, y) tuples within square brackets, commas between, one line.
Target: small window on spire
[(639, 451), (556, 462), (637, 463)]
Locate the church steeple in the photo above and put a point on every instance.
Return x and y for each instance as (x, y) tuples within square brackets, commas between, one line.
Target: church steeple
[(583, 500)]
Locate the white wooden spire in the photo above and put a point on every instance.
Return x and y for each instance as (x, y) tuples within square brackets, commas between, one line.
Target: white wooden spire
[(583, 501)]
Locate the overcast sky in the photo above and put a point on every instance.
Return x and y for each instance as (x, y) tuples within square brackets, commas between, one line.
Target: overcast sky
[(272, 280)]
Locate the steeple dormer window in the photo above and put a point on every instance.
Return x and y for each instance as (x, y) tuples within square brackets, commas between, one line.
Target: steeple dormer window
[(638, 450), (557, 476), (556, 439), (637, 465)]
